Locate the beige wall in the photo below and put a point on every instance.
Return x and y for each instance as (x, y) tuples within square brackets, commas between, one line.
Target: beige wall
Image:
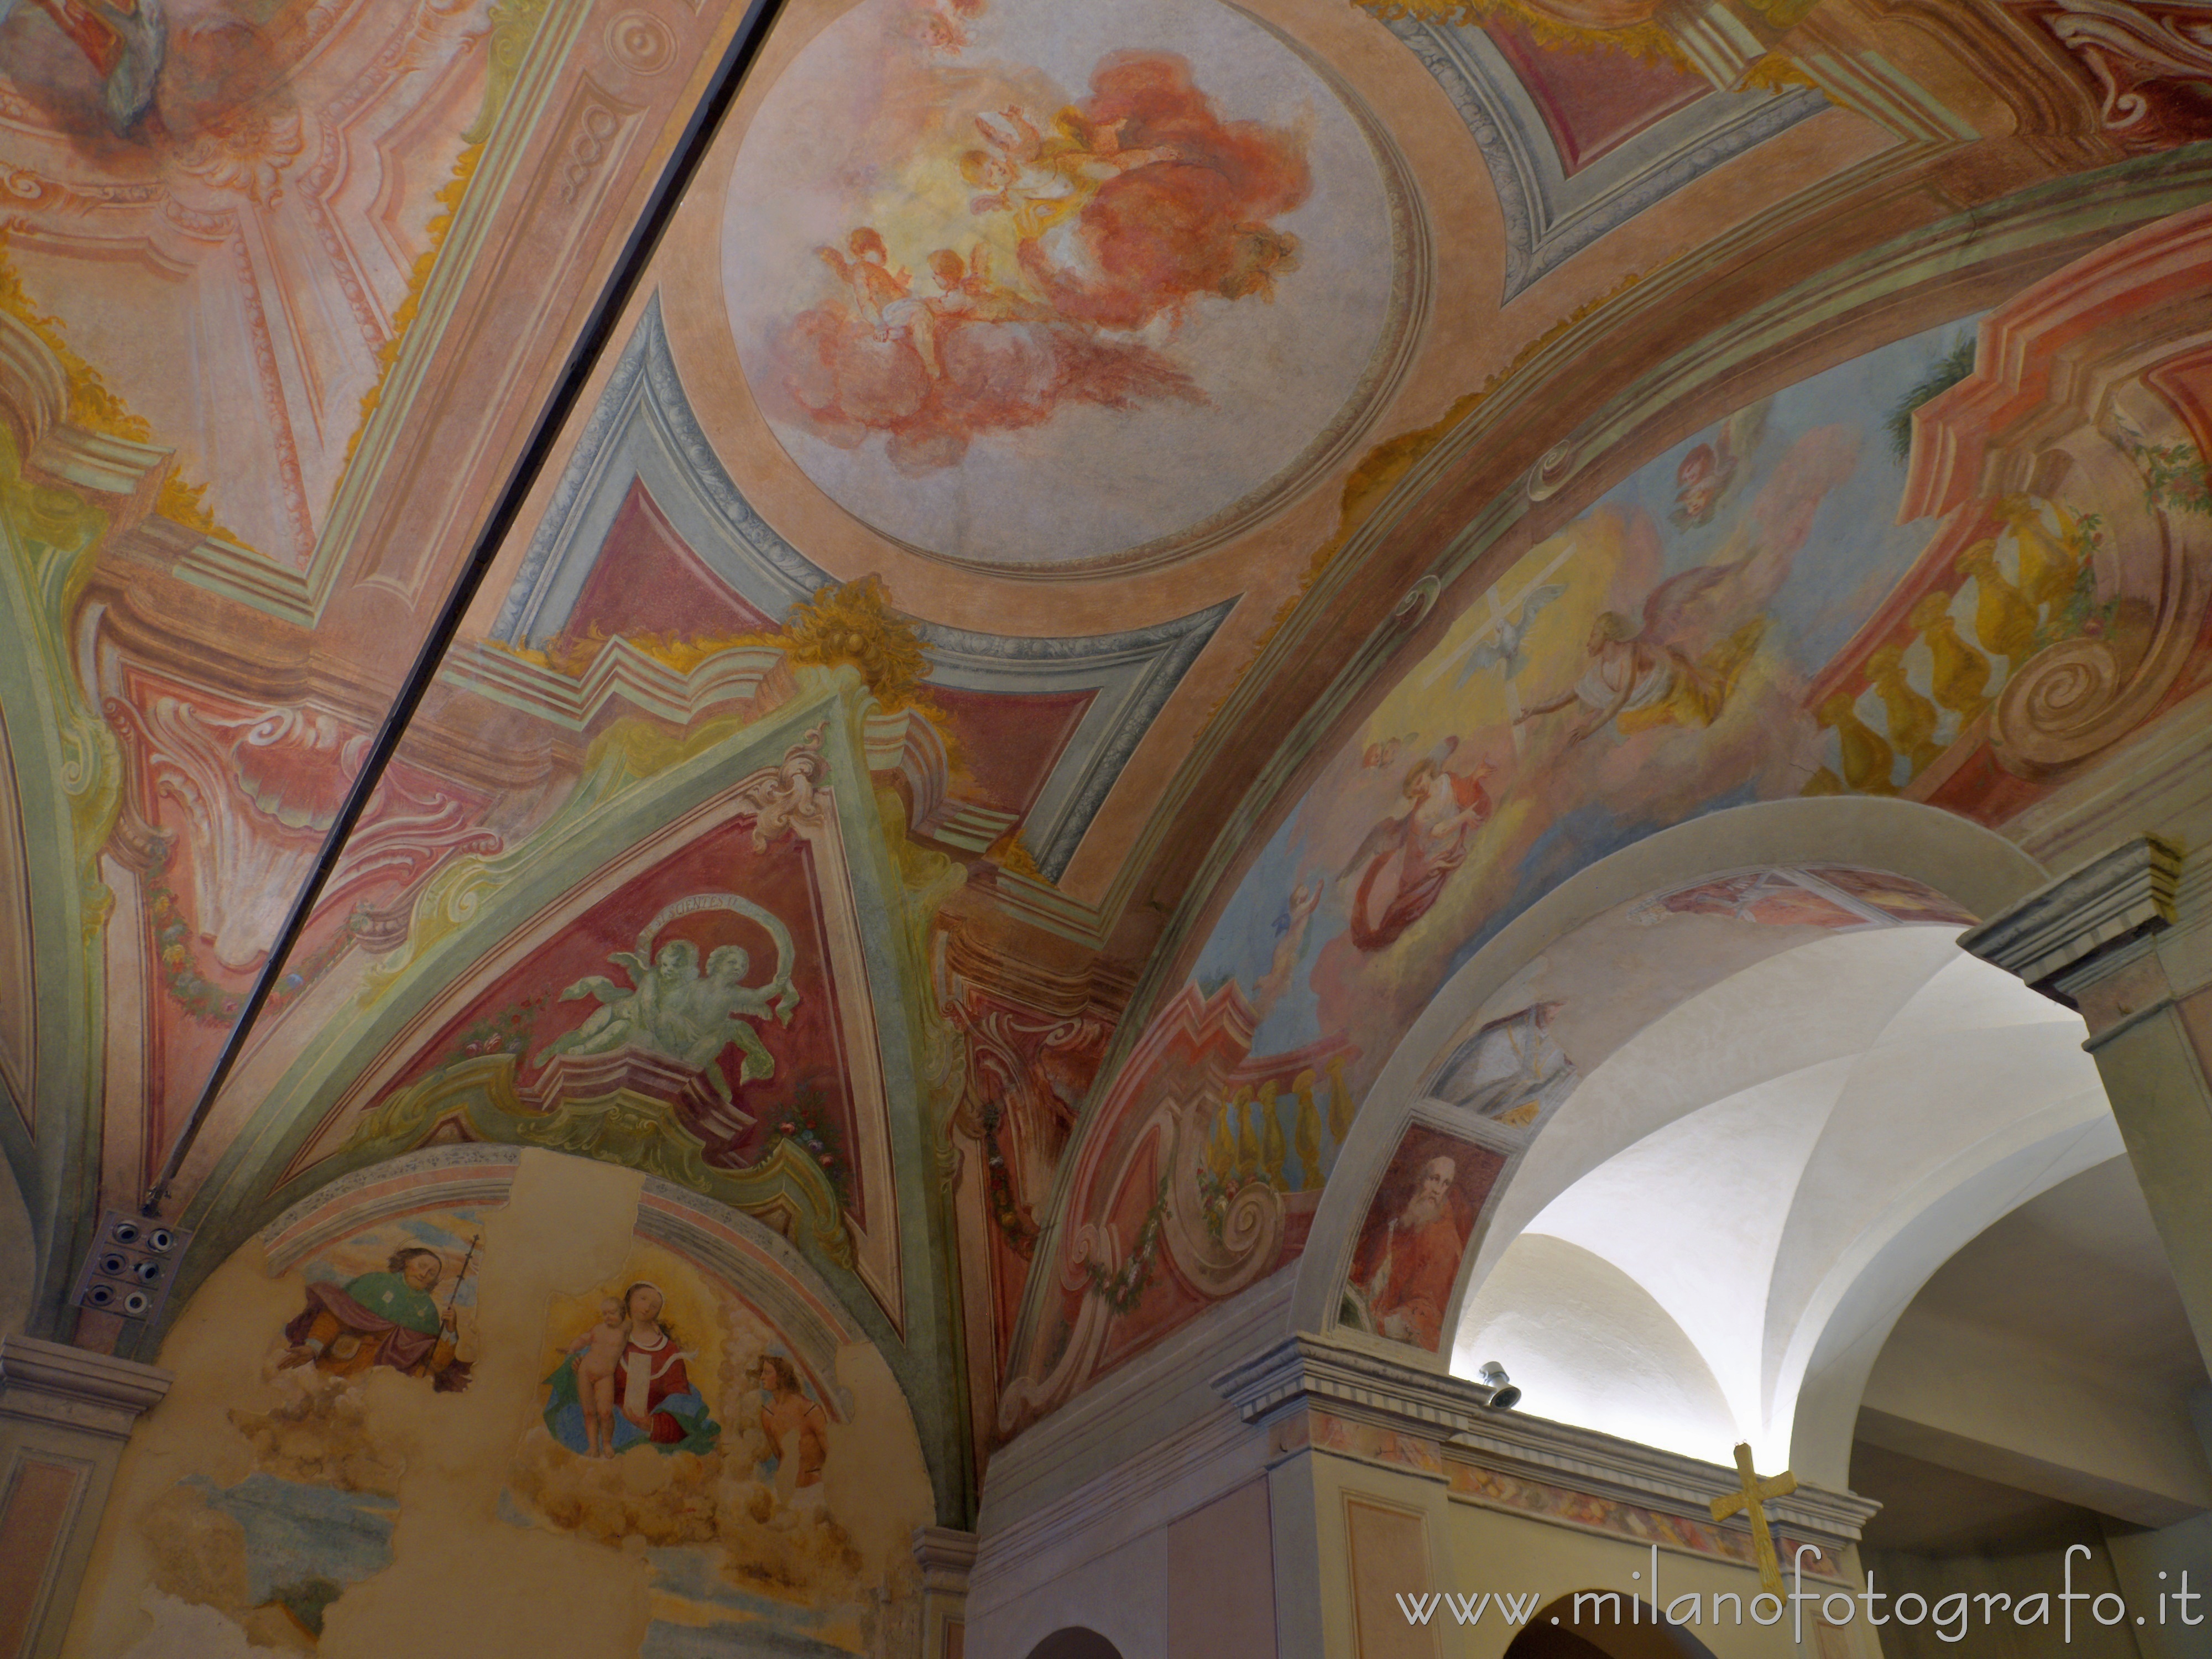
[(475, 1565), (1382, 1531)]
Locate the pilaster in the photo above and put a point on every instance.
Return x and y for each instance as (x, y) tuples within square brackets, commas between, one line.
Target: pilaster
[(946, 1556), (64, 1415), (2126, 938)]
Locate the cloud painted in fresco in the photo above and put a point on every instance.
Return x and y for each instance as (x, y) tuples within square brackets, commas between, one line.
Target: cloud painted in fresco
[(1133, 261)]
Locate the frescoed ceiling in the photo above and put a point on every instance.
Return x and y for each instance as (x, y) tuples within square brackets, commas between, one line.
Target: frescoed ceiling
[(1018, 525)]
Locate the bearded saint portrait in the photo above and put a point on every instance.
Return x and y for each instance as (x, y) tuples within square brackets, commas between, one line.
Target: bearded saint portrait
[(1406, 1265)]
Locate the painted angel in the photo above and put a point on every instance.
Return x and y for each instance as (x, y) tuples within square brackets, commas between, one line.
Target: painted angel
[(1656, 675), (868, 276), (704, 1017), (1700, 627), (1402, 865), (1708, 473), (629, 1016), (1290, 942)]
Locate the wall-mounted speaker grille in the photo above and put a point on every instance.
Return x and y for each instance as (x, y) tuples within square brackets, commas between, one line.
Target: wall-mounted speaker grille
[(132, 1264)]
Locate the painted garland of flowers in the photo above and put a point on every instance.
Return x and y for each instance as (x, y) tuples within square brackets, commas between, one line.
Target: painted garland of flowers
[(182, 976), (1123, 1287), (2173, 476), (815, 1134)]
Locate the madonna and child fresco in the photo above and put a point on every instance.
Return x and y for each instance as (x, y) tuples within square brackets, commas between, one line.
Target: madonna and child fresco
[(624, 1384), (769, 1480), (676, 1417), (1069, 280)]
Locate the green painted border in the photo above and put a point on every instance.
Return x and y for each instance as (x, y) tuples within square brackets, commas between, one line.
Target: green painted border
[(54, 735), (238, 1197)]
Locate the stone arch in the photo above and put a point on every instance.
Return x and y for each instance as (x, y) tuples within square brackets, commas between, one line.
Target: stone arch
[(1978, 868), (1075, 1641), (1875, 1009), (1554, 1632)]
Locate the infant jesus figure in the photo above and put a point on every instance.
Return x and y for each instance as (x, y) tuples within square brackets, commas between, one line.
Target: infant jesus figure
[(598, 1354)]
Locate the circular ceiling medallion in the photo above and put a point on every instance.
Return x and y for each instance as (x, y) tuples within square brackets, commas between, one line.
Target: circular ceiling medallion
[(1034, 287)]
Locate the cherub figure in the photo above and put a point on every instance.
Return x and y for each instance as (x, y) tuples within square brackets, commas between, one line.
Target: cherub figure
[(869, 275), (598, 1354), (633, 1017), (1042, 179), (1640, 678), (709, 1015), (1710, 472), (1290, 942)]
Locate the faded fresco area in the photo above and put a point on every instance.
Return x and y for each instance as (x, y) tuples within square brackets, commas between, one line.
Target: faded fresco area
[(1757, 614), (1644, 663), (347, 1433), (1026, 286), (201, 200), (296, 1499)]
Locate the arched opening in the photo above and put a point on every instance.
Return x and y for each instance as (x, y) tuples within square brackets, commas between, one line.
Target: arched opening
[(1737, 879), (1075, 1641), (1749, 1214), (1603, 1625)]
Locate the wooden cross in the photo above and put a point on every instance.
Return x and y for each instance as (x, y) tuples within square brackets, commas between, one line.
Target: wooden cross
[(1751, 1500)]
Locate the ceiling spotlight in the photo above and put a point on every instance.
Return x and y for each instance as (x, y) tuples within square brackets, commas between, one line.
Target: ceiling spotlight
[(1502, 1394)]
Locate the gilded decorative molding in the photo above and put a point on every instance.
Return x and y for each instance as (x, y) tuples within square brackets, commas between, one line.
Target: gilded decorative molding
[(98, 409), (514, 25)]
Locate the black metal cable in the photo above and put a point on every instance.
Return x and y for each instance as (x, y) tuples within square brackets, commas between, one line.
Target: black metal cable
[(584, 357)]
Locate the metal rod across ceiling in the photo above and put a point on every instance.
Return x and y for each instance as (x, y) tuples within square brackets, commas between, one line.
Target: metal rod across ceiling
[(583, 360)]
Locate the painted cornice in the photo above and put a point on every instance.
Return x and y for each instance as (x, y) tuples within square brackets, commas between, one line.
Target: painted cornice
[(1308, 1372), (2098, 911), (68, 1388)]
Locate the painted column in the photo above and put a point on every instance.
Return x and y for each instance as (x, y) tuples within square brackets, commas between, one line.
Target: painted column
[(946, 1556), (64, 1415), (2127, 939)]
